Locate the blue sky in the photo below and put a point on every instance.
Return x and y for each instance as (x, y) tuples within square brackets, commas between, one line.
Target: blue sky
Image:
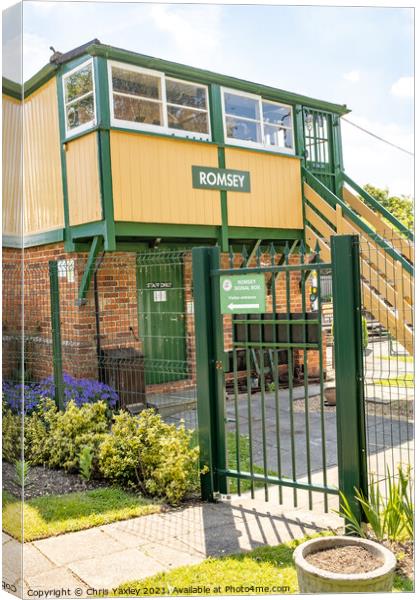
[(363, 57)]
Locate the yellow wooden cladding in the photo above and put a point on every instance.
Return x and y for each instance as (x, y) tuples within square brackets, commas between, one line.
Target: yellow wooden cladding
[(387, 289), (276, 196), (152, 180), (12, 167), (43, 192), (83, 180)]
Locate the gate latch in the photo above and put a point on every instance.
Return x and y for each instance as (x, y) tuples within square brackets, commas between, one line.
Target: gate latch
[(219, 364)]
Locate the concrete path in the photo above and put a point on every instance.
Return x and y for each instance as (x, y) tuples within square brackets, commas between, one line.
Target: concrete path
[(103, 557)]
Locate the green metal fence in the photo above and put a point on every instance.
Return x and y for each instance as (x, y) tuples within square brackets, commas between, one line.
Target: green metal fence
[(388, 364), (262, 379)]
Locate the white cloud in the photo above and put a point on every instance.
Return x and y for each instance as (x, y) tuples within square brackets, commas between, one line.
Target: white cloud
[(36, 54), (403, 88), (367, 160), (196, 30), (352, 76)]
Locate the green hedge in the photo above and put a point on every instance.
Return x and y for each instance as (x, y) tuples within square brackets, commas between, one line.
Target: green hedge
[(141, 452)]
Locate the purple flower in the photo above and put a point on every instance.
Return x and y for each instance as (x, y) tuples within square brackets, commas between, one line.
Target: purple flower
[(25, 397)]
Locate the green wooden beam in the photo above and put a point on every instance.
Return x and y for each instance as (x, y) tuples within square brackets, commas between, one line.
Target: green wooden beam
[(333, 200), (68, 243), (87, 230), (377, 206), (200, 232), (253, 252), (95, 247)]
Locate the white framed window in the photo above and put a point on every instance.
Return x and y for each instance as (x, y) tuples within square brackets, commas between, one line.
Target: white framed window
[(150, 101), (253, 122), (79, 98)]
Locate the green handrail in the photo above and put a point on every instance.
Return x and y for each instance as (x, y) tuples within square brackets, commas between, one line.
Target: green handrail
[(333, 200), (378, 206)]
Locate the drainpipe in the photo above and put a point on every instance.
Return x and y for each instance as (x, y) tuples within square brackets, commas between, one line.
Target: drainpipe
[(97, 319)]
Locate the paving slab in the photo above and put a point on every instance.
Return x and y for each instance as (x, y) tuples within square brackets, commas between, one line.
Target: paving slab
[(56, 579), (34, 561), (77, 546), (115, 568), (172, 556), (12, 563)]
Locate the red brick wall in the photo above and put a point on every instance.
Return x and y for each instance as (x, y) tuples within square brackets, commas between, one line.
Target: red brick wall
[(118, 317)]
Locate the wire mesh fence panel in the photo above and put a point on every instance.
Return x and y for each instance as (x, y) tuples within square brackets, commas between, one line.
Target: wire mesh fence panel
[(127, 339), (387, 292)]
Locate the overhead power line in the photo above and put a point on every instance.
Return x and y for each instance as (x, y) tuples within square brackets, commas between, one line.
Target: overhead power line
[(378, 137)]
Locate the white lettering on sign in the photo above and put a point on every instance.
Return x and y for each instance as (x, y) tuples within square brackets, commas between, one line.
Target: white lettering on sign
[(202, 178), (222, 179)]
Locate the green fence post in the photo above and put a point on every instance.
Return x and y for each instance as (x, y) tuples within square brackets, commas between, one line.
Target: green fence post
[(348, 350), (205, 347), (56, 335)]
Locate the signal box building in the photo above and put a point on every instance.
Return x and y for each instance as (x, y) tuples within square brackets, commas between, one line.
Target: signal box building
[(130, 161)]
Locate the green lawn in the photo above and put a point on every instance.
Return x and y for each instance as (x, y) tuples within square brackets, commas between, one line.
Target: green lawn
[(404, 381), (52, 515), (266, 570), (244, 462)]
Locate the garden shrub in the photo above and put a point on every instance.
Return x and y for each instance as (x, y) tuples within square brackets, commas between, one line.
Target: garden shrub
[(145, 452), (11, 435), (71, 430), (81, 391), (36, 433)]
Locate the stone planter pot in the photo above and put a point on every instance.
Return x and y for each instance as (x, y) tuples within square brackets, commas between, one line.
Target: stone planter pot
[(312, 579), (329, 397)]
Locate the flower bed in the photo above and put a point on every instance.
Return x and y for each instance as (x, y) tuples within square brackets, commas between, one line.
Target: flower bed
[(81, 391), (141, 453)]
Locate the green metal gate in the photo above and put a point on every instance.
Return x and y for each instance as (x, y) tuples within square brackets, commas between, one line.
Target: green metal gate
[(262, 435)]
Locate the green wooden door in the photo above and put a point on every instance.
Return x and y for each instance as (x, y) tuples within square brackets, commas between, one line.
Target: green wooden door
[(319, 149), (161, 306)]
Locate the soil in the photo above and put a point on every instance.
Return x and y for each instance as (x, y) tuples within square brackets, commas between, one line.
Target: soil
[(42, 481), (345, 559), (404, 553)]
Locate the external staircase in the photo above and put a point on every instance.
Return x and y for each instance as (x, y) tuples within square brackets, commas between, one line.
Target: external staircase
[(386, 249)]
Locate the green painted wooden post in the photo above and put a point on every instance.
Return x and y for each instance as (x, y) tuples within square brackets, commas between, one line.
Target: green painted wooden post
[(351, 432), (204, 260), (56, 335)]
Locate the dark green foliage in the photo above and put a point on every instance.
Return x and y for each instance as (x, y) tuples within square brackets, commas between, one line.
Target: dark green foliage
[(400, 206)]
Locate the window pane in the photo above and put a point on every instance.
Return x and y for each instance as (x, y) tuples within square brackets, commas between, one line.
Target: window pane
[(241, 106), (186, 94), (243, 130), (323, 153), (187, 119), (276, 114), (80, 112), (79, 83), (277, 136), (138, 84), (139, 111)]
